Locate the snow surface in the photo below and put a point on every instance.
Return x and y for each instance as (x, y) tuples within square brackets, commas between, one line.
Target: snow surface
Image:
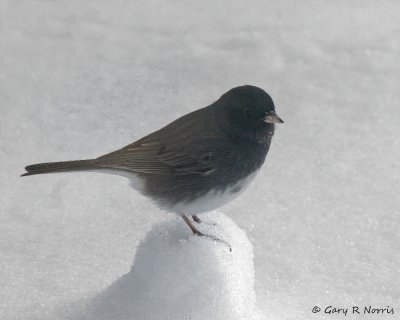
[(178, 276), (79, 79)]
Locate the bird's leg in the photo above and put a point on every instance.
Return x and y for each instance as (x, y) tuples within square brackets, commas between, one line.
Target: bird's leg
[(191, 226), (196, 218), (200, 234)]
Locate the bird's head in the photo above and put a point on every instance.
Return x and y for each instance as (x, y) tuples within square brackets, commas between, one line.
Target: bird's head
[(248, 110)]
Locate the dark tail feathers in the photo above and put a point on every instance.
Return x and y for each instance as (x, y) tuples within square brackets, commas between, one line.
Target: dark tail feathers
[(59, 167)]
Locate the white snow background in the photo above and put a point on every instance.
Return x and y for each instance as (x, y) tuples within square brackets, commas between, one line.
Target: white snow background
[(81, 78)]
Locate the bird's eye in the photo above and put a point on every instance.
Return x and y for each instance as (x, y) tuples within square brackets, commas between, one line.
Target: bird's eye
[(249, 112)]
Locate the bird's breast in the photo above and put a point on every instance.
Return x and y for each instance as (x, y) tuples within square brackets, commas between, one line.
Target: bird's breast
[(213, 199)]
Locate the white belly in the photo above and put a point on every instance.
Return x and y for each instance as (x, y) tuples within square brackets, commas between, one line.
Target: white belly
[(212, 199), (205, 203)]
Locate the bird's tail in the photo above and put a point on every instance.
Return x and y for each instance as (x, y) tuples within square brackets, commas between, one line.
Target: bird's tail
[(63, 166)]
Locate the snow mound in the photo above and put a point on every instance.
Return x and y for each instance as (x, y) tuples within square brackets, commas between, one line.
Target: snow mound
[(176, 275)]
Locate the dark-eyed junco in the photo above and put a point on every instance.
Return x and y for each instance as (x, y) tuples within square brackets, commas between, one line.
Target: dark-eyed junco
[(197, 163)]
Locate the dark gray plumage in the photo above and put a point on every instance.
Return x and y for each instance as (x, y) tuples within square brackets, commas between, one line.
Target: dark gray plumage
[(212, 148)]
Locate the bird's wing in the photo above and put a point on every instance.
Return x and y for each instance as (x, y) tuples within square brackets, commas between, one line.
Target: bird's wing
[(189, 145), (180, 157)]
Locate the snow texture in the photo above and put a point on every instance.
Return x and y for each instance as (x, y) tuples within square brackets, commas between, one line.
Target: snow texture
[(82, 78), (178, 276)]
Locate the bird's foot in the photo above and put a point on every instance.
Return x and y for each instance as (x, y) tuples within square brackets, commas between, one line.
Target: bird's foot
[(200, 234)]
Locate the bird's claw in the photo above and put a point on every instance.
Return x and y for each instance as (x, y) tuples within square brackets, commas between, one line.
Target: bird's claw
[(200, 234)]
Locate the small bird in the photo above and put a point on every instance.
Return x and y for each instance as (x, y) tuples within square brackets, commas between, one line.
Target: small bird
[(198, 162)]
